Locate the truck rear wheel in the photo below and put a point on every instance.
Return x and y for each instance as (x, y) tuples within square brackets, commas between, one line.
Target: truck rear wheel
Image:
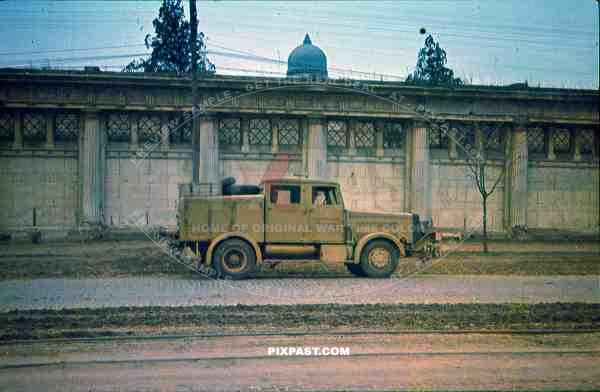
[(379, 259), (234, 258)]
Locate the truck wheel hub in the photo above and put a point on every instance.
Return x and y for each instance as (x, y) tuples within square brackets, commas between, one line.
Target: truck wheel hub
[(234, 260), (379, 258)]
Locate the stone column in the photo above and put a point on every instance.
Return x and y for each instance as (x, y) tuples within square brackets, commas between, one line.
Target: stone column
[(210, 181), (316, 148), (50, 130), (452, 152), (550, 155), (408, 154), (18, 124), (351, 141), (420, 192), (479, 140), (575, 136), (244, 130), (379, 148), (274, 135), (133, 139), (91, 166), (164, 131), (517, 177)]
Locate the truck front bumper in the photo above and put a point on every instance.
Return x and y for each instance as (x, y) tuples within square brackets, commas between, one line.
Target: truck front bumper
[(428, 244)]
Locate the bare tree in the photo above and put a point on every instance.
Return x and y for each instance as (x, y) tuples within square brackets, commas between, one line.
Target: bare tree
[(489, 139)]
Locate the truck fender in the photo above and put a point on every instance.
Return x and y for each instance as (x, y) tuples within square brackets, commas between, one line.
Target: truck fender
[(214, 243), (375, 236)]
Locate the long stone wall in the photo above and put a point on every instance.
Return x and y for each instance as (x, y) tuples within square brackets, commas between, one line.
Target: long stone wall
[(85, 149)]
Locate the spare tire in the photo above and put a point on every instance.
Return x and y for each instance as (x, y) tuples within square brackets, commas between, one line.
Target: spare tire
[(228, 181), (242, 190)]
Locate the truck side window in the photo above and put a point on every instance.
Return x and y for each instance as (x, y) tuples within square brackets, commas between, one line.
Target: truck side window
[(324, 196), (285, 194)]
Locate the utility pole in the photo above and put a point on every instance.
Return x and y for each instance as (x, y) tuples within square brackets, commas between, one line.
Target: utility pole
[(195, 119)]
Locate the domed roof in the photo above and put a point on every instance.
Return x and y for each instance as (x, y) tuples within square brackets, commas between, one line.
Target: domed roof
[(307, 60)]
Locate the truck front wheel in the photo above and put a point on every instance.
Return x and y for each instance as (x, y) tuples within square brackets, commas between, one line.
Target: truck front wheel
[(379, 259), (234, 258)]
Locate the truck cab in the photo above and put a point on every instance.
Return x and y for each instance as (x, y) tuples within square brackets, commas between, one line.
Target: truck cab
[(292, 219)]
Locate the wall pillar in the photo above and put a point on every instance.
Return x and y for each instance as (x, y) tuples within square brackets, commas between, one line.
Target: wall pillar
[(351, 138), (164, 131), (245, 139), (316, 148), (133, 138), (517, 178), (274, 135), (452, 152), (50, 130), (379, 147), (91, 166), (18, 124), (209, 173), (420, 193), (576, 137), (549, 135)]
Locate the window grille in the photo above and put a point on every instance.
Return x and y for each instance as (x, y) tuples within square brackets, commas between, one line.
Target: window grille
[(364, 135), (7, 126), (438, 139), (336, 134), (67, 127), (230, 132), (183, 133), (587, 141), (149, 127), (34, 126), (393, 135), (289, 132), (118, 127), (494, 139), (536, 140), (259, 132), (561, 139)]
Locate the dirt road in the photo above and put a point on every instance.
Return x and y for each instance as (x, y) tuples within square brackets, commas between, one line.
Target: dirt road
[(115, 292), (412, 361)]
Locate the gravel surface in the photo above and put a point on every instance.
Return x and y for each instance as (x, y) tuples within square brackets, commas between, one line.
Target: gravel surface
[(407, 362), (117, 292)]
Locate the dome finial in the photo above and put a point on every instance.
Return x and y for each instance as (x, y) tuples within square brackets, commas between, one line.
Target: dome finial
[(307, 40)]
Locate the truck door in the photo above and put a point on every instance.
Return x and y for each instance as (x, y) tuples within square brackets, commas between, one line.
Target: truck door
[(326, 214), (286, 219)]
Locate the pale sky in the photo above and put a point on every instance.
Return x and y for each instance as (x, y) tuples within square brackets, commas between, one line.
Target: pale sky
[(547, 43)]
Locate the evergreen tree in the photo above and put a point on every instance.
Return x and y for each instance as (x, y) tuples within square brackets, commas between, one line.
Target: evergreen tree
[(431, 67), (171, 44)]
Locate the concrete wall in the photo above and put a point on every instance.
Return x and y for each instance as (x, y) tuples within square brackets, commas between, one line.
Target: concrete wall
[(563, 197), (48, 184), (371, 186), (149, 188), (456, 201)]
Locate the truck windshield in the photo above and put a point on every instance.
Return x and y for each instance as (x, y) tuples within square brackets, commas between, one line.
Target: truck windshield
[(324, 196)]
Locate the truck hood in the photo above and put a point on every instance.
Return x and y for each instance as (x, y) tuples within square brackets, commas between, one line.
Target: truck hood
[(359, 217)]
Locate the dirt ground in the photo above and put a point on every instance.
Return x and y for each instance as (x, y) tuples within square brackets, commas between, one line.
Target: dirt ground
[(269, 318), (375, 362), (142, 258)]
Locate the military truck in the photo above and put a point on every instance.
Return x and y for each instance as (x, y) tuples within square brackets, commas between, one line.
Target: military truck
[(292, 219)]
